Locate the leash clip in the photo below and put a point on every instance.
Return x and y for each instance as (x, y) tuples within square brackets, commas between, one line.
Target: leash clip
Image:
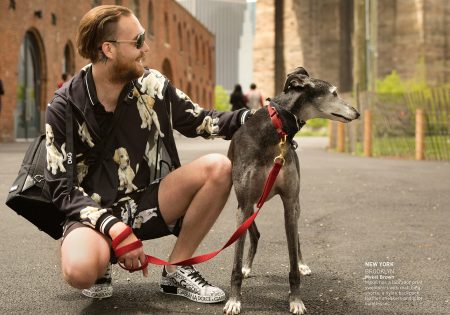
[(281, 145)]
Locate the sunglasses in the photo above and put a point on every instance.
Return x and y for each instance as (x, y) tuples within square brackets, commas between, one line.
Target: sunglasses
[(140, 40)]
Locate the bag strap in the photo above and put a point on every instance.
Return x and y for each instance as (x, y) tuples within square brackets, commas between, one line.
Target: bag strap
[(71, 156)]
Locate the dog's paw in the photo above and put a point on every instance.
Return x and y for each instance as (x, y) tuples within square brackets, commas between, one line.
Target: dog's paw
[(297, 307), (232, 307), (304, 270), (246, 271)]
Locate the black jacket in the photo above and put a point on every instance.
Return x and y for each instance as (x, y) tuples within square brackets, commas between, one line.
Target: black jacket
[(142, 149)]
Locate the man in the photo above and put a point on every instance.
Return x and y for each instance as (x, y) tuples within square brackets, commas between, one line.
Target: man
[(254, 98), (127, 167)]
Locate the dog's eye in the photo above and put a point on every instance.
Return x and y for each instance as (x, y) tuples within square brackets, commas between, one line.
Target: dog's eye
[(335, 93)]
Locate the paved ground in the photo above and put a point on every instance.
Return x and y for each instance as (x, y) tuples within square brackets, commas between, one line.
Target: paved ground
[(356, 212)]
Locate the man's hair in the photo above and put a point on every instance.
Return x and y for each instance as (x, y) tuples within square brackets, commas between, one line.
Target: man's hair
[(97, 26), (253, 86)]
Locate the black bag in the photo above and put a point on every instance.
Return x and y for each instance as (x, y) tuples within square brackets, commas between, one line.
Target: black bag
[(29, 195)]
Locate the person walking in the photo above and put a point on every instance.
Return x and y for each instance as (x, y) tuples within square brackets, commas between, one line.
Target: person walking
[(254, 97), (237, 98), (125, 116)]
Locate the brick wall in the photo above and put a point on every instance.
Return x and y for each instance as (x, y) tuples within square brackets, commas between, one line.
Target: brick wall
[(188, 68)]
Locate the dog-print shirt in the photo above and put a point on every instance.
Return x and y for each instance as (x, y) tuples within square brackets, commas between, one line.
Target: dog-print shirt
[(141, 150)]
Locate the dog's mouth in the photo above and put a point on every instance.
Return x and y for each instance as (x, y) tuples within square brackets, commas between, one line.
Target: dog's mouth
[(343, 117)]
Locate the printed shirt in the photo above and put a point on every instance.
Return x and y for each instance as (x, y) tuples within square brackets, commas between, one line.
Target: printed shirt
[(143, 147)]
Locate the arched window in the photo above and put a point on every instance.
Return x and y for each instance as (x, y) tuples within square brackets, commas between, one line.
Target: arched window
[(188, 48), (69, 59), (167, 69), (196, 49), (30, 86), (204, 100), (95, 3), (135, 7), (166, 28), (180, 37), (150, 18), (189, 89)]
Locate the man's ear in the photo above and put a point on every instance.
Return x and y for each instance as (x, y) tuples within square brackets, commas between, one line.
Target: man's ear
[(106, 51), (297, 81)]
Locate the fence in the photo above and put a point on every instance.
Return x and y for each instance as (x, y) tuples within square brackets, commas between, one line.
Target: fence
[(411, 125)]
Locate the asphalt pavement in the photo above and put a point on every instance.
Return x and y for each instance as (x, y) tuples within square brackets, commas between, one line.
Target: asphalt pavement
[(375, 233)]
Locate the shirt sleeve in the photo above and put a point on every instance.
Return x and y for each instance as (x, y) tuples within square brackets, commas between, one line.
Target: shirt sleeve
[(191, 120), (75, 204)]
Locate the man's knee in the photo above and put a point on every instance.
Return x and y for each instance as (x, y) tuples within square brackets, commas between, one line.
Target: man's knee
[(79, 274), (218, 168)]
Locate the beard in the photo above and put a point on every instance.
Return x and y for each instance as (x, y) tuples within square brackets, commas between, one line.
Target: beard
[(124, 72)]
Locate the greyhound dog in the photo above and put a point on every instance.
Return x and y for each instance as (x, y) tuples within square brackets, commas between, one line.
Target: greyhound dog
[(252, 151)]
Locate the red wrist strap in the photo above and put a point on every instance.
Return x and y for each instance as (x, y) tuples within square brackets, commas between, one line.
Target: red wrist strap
[(119, 239), (126, 248)]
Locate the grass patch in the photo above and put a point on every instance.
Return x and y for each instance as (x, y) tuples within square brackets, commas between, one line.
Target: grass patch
[(436, 147)]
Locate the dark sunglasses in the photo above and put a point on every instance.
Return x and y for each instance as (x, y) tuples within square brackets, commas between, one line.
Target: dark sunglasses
[(140, 40)]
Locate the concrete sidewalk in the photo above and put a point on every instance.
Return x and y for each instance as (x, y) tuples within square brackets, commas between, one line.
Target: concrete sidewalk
[(356, 213)]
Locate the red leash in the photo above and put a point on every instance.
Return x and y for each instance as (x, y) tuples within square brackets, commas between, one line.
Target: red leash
[(278, 163)]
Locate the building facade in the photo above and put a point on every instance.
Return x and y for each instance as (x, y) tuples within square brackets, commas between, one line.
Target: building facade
[(233, 24), (409, 36), (38, 46)]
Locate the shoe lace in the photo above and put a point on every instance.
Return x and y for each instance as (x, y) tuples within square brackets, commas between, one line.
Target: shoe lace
[(198, 278)]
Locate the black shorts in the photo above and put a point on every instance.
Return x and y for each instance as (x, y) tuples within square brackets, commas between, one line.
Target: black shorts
[(139, 210)]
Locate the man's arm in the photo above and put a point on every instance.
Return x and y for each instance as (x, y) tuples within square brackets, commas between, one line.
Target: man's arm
[(191, 120)]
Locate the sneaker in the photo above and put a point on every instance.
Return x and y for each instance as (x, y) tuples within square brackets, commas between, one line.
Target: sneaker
[(102, 287), (188, 282)]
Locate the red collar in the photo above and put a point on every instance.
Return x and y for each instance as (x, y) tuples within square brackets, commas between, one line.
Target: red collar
[(276, 121)]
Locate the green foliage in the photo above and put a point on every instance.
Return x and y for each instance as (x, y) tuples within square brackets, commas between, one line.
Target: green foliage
[(222, 99), (391, 84), (317, 123)]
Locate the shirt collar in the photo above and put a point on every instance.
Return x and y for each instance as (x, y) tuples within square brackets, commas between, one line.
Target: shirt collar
[(90, 87)]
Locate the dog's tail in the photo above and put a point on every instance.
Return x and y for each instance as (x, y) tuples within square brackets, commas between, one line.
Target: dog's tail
[(63, 150)]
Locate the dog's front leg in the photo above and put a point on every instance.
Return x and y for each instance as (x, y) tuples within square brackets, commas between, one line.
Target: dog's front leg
[(233, 305), (291, 214)]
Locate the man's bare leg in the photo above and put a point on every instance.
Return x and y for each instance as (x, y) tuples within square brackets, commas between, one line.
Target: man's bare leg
[(199, 191), (85, 256)]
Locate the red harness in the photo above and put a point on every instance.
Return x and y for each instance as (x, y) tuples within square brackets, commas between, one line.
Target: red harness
[(278, 163)]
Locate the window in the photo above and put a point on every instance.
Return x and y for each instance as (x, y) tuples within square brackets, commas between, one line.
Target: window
[(180, 37), (166, 28), (69, 59), (150, 18), (135, 7)]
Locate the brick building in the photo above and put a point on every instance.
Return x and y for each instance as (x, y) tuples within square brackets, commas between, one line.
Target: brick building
[(38, 45)]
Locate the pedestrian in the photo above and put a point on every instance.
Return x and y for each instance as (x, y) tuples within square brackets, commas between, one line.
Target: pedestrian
[(2, 92), (137, 189), (237, 98), (64, 77), (255, 99)]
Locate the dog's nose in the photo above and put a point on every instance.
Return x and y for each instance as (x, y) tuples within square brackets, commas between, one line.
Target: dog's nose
[(357, 115)]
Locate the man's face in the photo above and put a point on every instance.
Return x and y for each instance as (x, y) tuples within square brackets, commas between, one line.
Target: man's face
[(127, 60)]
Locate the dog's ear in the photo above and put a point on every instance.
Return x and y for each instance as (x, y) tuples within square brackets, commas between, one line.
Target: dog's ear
[(116, 156), (298, 70), (297, 81)]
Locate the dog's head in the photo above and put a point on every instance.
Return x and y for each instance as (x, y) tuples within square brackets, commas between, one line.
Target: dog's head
[(316, 98), (121, 157), (49, 136)]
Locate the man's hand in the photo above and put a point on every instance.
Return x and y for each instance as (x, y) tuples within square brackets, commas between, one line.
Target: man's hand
[(134, 258)]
